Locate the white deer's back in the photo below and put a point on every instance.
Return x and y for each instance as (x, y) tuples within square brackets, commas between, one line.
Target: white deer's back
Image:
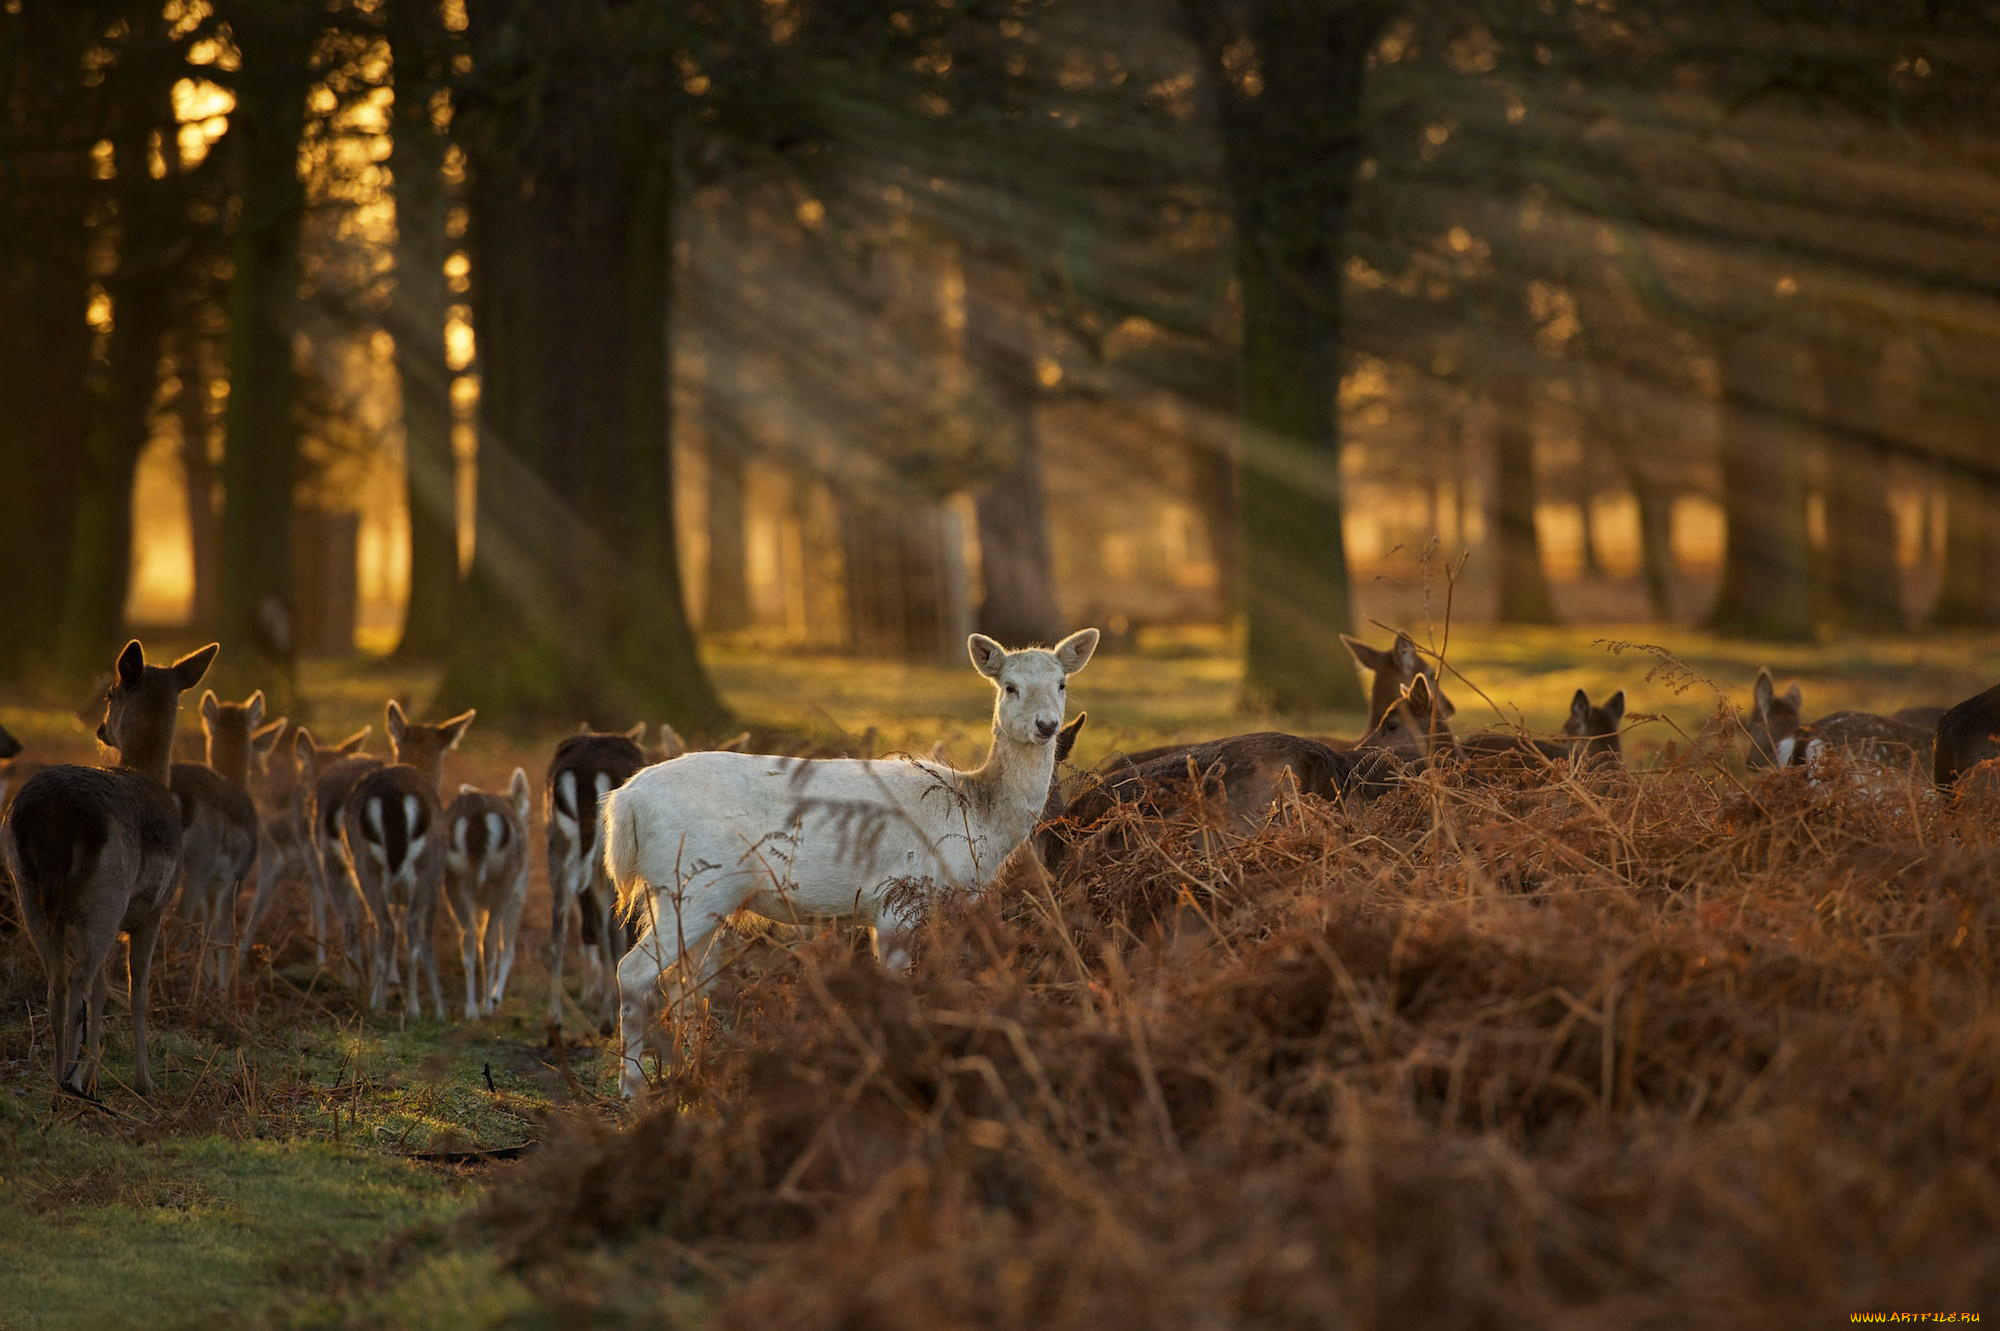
[(817, 838)]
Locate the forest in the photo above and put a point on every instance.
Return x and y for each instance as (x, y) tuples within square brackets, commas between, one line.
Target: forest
[(1477, 523)]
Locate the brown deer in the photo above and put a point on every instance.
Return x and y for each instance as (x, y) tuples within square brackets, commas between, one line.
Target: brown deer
[(14, 770), (486, 884), (1593, 732), (344, 914), (94, 853), (218, 829), (288, 851), (587, 766), (1967, 735), (390, 825), (1396, 668), (1779, 737)]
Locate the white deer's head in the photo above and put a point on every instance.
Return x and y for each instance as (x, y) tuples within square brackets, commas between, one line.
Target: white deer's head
[(1030, 683)]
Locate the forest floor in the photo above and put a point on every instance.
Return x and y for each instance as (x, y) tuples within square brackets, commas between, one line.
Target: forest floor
[(303, 1164)]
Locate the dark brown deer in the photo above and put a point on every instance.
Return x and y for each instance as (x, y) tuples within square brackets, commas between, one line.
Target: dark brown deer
[(218, 829), (1396, 668), (1780, 737), (391, 824), (486, 884), (1967, 735), (289, 851), (586, 767), (14, 770), (1594, 731), (341, 910), (94, 853)]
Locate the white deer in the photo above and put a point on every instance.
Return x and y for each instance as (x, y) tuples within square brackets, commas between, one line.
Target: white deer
[(690, 842)]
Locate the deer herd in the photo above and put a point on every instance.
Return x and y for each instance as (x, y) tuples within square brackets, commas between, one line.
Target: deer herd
[(658, 856)]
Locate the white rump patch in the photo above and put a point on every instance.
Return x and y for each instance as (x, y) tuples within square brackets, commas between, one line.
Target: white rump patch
[(496, 833), (1786, 747)]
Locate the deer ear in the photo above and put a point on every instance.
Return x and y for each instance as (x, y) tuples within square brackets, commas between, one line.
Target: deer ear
[(9, 746), (671, 743), (1762, 691), (1405, 652), (1073, 652), (1794, 697), (1419, 692), (1614, 708), (352, 744), (523, 796), (1579, 707), (303, 747), (394, 722), (1066, 737), (1368, 658), (255, 705), (265, 739), (210, 706), (190, 668), (131, 665), (637, 734), (452, 731), (987, 655), (467, 788)]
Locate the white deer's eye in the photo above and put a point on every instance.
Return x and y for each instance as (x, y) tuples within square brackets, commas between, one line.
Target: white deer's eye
[(1063, 687), (1013, 692)]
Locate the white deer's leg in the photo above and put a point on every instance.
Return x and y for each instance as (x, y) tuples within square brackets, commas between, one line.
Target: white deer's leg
[(892, 935), (639, 1006)]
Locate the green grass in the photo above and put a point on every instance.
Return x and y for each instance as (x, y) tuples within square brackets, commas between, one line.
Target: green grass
[(275, 1159)]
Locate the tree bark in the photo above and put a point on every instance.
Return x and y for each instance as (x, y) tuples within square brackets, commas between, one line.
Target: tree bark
[(45, 342), (1523, 585), (261, 448), (904, 579), (726, 586), (191, 406), (1864, 578), (1766, 587), (1970, 594), (416, 322), (1017, 602), (1291, 146)]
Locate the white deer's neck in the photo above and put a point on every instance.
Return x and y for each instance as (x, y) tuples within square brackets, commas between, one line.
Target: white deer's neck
[(1008, 790)]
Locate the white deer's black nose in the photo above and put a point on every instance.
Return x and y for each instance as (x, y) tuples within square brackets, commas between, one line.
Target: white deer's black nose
[(1047, 729)]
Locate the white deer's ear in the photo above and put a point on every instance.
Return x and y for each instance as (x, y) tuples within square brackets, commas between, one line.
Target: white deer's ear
[(1614, 708), (987, 655), (1368, 658), (1761, 692), (1073, 652)]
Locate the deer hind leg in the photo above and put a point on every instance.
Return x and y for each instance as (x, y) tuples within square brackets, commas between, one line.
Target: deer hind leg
[(139, 971), (640, 992), (100, 985), (562, 894), (503, 927), (464, 908)]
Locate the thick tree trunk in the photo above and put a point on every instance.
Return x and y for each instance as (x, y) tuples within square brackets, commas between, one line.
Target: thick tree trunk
[(726, 600), (191, 407), (1864, 578), (1656, 545), (1291, 146), (416, 322), (261, 448), (1766, 587), (1970, 594), (574, 608), (1017, 602), (1523, 585), (45, 342)]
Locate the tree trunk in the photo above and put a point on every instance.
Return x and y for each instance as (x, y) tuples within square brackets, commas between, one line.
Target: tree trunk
[(261, 447), (191, 406), (1656, 545), (726, 602), (45, 342), (416, 322), (1291, 146), (574, 609), (1766, 587), (1523, 584), (1017, 602), (905, 579), (1970, 594), (1862, 569)]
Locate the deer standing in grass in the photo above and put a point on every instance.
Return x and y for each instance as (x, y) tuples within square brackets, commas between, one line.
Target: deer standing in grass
[(486, 884), (588, 766), (689, 843), (390, 827), (289, 764), (94, 853), (218, 829)]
